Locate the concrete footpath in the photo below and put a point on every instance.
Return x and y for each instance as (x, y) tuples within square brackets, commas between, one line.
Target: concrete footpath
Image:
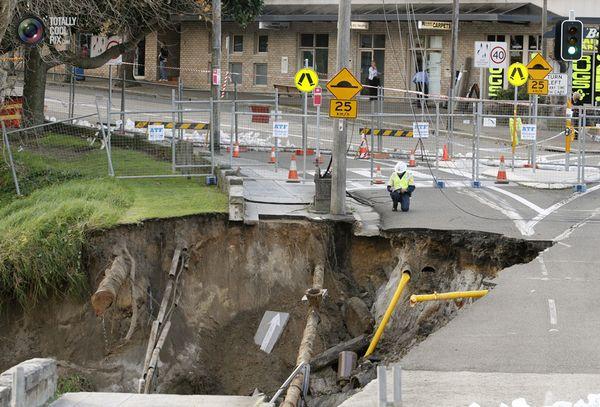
[(146, 400), (536, 335)]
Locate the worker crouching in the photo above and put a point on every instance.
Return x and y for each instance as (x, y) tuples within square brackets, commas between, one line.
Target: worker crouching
[(401, 186)]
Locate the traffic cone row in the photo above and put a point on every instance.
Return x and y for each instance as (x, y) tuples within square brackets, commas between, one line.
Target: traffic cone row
[(501, 177), (411, 160), (293, 173), (378, 176)]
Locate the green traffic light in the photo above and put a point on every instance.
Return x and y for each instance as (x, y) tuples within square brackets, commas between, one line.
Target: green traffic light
[(571, 50)]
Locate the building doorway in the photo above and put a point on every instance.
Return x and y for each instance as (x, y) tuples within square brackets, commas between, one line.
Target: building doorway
[(372, 48), (427, 56)]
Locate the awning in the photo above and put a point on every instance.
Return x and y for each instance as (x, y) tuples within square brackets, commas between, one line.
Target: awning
[(493, 12)]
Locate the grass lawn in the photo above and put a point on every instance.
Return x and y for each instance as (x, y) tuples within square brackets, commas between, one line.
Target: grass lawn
[(67, 194)]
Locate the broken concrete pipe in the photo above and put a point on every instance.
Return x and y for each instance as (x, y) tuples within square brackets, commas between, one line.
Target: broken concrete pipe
[(114, 277), (346, 365)]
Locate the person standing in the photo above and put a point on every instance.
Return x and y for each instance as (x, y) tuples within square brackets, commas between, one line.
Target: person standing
[(163, 55), (421, 79), (401, 186), (373, 80)]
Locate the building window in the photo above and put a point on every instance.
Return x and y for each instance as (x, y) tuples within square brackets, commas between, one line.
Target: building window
[(372, 48), (260, 74), (314, 48), (238, 43), (235, 69), (262, 43)]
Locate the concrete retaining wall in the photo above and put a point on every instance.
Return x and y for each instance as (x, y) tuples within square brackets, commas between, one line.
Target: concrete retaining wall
[(39, 384)]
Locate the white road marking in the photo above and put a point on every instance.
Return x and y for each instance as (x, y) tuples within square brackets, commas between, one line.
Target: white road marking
[(543, 265), (564, 244), (517, 198), (553, 315), (572, 228), (509, 213), (557, 206)]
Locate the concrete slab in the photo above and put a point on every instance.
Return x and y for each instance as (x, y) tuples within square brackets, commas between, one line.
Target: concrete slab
[(460, 389), (151, 400)]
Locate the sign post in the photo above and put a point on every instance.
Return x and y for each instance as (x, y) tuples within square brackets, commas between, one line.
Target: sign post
[(317, 100), (306, 80), (488, 55), (517, 76)]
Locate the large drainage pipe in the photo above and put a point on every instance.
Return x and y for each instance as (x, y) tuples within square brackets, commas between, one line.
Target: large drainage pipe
[(388, 313), (305, 352)]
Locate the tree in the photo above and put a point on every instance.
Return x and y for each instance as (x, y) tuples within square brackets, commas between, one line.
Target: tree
[(131, 19)]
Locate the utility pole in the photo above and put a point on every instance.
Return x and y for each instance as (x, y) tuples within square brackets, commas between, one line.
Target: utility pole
[(338, 181), (451, 93), (215, 125), (544, 43)]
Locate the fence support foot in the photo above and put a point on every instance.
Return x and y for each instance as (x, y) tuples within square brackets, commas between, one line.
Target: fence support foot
[(440, 184), (580, 188), (476, 184)]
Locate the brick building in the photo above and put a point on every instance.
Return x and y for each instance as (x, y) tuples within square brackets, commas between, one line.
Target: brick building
[(399, 37)]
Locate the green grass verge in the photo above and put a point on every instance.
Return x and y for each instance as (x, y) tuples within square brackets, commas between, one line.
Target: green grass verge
[(43, 233)]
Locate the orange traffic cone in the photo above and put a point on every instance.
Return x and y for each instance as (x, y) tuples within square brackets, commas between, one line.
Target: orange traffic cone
[(363, 149), (272, 159), (236, 150), (411, 160), (445, 156), (378, 176), (501, 177), (293, 173)]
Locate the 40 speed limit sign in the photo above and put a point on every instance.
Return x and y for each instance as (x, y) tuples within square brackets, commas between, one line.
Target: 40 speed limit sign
[(343, 109)]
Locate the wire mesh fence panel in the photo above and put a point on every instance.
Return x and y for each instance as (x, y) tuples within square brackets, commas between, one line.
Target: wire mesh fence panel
[(160, 148), (56, 152)]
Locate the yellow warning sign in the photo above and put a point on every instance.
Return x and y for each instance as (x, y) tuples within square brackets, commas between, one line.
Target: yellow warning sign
[(538, 67), (343, 109), (344, 85), (517, 74), (306, 80), (537, 86)]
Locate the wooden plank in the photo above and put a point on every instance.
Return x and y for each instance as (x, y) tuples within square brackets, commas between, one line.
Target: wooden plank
[(331, 355)]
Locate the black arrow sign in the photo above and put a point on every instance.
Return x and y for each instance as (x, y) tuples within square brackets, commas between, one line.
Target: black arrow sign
[(512, 75), (305, 76)]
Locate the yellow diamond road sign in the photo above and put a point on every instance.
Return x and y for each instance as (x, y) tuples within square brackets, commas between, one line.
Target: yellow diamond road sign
[(306, 80), (538, 67), (517, 74), (344, 85)]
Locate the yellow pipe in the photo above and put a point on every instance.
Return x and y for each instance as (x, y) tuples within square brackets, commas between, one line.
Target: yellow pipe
[(446, 296), (388, 313)]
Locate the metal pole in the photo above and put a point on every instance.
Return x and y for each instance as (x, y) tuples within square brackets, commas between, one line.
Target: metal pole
[(397, 371), (216, 64), (277, 140), (10, 159), (453, 55), (173, 156), (373, 128), (515, 127), (382, 380), (111, 170), (534, 142), (212, 143), (319, 132), (437, 135), (544, 28), (580, 145), (72, 93), (379, 120), (122, 99), (569, 94), (582, 135), (474, 127), (338, 182), (109, 108), (479, 121), (235, 94), (233, 124), (304, 128)]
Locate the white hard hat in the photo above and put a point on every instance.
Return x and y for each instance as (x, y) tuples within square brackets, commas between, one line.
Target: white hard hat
[(400, 167)]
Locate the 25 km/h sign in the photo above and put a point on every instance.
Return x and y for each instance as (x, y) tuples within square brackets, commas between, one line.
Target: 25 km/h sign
[(306, 80), (343, 109), (537, 87)]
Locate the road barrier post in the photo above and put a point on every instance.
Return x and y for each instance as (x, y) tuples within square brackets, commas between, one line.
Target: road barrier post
[(10, 159)]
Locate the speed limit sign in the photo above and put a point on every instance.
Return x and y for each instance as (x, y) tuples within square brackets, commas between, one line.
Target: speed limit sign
[(490, 54)]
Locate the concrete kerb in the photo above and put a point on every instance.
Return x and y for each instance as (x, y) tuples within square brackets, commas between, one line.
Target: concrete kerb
[(232, 184), (40, 377)]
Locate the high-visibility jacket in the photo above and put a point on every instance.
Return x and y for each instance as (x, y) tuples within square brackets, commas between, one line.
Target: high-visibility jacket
[(397, 182)]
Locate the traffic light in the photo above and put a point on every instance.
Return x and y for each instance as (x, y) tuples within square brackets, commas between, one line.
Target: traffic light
[(570, 40)]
